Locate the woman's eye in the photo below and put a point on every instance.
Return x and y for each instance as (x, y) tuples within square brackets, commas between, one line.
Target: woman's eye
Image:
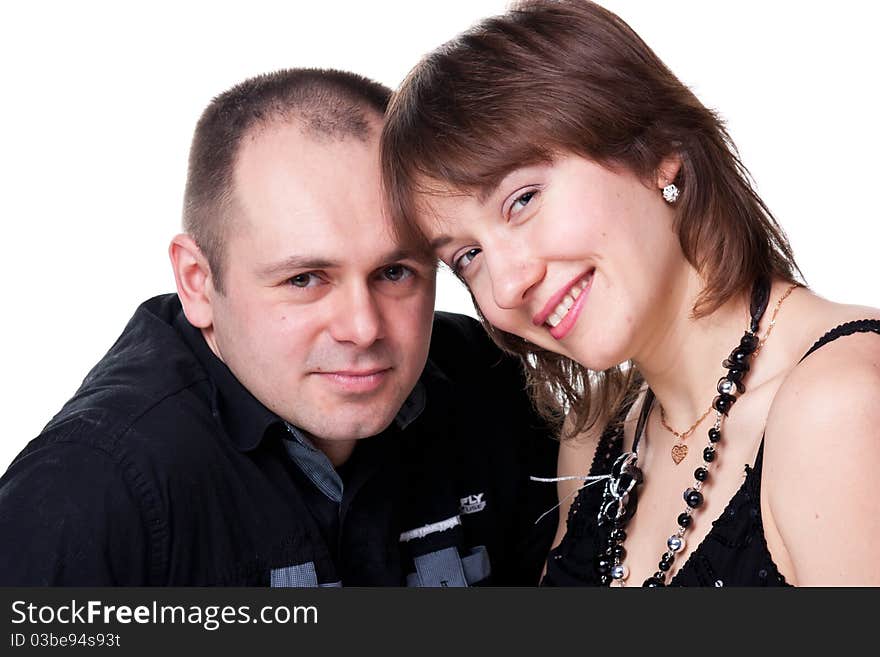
[(522, 200), (304, 280), (465, 259), (395, 273)]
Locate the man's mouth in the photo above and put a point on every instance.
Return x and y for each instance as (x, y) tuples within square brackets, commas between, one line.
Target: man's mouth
[(356, 381)]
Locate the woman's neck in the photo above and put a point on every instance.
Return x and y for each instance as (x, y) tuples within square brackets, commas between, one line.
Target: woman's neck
[(681, 358)]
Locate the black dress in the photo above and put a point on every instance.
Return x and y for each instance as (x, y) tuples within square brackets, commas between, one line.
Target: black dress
[(733, 553)]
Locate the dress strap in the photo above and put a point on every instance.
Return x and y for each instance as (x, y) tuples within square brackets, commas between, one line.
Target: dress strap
[(759, 461), (848, 328), (605, 453)]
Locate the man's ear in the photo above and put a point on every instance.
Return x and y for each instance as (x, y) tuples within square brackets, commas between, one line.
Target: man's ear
[(195, 286)]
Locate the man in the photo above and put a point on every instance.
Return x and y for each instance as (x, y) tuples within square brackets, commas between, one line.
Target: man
[(281, 421)]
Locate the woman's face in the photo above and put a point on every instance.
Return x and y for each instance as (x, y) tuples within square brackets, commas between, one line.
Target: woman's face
[(572, 256)]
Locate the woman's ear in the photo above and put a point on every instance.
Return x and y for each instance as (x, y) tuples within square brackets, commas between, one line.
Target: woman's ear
[(668, 170)]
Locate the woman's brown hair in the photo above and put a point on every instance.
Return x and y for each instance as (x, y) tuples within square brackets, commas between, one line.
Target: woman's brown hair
[(570, 76)]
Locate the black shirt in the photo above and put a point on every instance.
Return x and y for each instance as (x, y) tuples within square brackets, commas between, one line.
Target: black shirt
[(164, 470)]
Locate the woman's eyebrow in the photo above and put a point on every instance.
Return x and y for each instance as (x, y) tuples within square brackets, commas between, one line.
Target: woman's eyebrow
[(516, 177), (440, 242)]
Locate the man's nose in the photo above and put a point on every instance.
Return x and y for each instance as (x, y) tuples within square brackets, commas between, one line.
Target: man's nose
[(514, 271), (358, 318)]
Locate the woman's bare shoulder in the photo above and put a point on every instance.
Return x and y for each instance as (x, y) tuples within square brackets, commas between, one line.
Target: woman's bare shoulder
[(831, 376), (841, 369), (821, 454)]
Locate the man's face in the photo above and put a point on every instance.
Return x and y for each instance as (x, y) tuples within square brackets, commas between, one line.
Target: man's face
[(323, 317)]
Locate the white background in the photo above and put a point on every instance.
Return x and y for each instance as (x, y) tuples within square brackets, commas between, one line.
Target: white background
[(99, 100)]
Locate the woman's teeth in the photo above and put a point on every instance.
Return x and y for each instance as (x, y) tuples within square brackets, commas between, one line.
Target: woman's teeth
[(567, 302)]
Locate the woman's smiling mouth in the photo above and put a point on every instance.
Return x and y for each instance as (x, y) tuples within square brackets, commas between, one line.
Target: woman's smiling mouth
[(561, 311)]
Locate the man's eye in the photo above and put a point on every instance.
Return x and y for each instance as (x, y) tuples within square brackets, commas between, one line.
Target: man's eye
[(396, 273), (304, 280), (465, 259)]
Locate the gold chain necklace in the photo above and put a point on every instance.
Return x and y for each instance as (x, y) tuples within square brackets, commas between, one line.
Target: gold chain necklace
[(773, 317), (679, 450)]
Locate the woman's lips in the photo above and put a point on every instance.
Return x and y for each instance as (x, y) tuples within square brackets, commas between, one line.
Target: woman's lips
[(562, 301), (567, 302), (570, 315)]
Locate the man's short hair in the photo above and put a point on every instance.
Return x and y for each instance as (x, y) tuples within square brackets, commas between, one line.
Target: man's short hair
[(327, 104)]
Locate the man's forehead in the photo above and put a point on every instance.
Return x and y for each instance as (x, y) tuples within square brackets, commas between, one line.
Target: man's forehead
[(283, 174), (314, 205), (300, 147), (315, 237), (320, 241)]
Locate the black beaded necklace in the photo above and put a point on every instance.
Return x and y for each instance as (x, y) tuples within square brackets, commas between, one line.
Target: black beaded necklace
[(620, 497)]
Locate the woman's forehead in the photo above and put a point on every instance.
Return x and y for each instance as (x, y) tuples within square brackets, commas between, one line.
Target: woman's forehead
[(433, 193)]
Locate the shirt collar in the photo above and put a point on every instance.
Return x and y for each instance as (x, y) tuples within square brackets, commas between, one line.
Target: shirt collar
[(315, 465), (243, 416), (412, 407)]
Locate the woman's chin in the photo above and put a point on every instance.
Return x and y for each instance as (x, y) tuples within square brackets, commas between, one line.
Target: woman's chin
[(593, 357), (597, 357)]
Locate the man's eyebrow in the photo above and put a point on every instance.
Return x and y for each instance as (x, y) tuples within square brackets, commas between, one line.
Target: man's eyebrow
[(310, 262), (296, 262)]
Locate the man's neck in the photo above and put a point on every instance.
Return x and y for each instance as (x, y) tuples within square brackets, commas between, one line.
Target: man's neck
[(338, 451), (211, 341)]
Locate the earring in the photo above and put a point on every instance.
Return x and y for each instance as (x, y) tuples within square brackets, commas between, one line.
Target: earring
[(670, 193)]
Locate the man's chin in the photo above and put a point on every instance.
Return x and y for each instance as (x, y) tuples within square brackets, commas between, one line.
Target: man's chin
[(335, 427), (359, 431)]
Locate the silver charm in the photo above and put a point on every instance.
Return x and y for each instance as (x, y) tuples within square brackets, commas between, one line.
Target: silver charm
[(675, 543), (625, 475), (726, 387), (670, 193), (619, 572)]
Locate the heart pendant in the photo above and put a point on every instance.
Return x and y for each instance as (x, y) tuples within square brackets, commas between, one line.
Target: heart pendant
[(678, 453)]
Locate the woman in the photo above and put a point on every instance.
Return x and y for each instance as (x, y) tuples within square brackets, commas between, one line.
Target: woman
[(609, 235)]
